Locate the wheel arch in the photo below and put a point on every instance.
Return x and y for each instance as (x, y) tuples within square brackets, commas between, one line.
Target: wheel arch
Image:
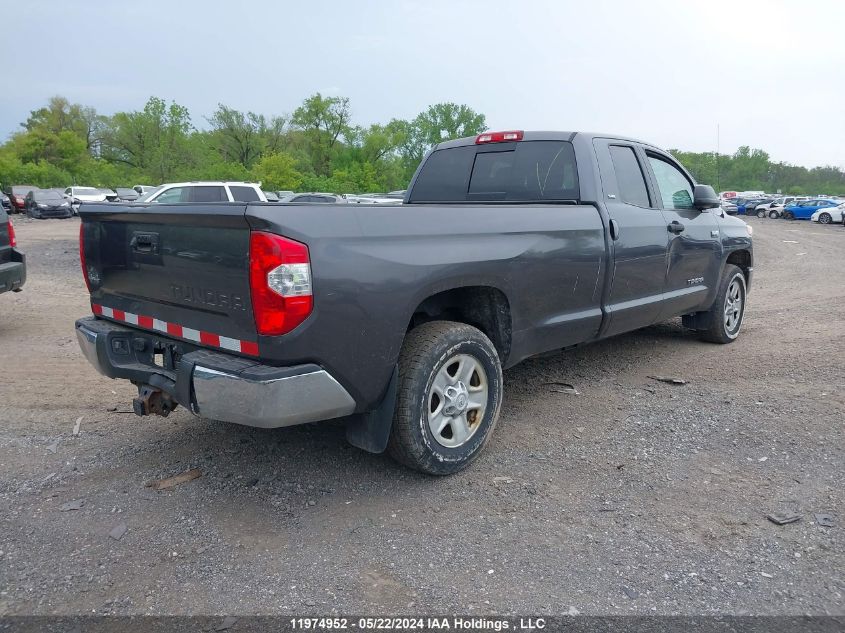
[(485, 307), (743, 260)]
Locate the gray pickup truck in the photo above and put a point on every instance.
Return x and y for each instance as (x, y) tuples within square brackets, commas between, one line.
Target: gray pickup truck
[(12, 261), (401, 318)]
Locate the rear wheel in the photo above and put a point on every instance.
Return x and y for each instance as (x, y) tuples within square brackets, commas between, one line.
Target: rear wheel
[(448, 398), (825, 218), (788, 215), (724, 318), (773, 214), (761, 213)]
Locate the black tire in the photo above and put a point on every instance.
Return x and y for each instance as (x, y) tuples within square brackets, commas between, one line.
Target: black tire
[(717, 328), (427, 350), (788, 215), (761, 213), (774, 214), (825, 218)]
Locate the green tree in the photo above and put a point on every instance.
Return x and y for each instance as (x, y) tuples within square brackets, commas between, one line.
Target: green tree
[(243, 137), (59, 115), (322, 120), (277, 172), (155, 140)]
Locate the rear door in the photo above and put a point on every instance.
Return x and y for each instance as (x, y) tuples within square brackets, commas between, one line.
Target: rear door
[(639, 238), (695, 247), (179, 269)]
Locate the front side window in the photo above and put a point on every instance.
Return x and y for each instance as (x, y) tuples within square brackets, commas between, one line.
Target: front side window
[(244, 194), (169, 196), (629, 176), (675, 189)]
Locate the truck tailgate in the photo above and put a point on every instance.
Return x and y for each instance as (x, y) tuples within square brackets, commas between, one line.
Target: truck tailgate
[(179, 269)]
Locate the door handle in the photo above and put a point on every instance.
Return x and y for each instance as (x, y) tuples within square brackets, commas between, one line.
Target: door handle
[(614, 230), (676, 227)]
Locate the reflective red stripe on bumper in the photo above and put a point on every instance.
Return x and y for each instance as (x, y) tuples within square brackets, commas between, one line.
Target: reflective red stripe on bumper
[(179, 331)]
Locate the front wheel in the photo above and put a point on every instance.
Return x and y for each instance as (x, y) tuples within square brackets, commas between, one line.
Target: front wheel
[(774, 214), (448, 399), (825, 218), (761, 213), (724, 318)]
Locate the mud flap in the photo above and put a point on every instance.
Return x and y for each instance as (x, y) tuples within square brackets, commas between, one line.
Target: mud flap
[(697, 320), (370, 431)]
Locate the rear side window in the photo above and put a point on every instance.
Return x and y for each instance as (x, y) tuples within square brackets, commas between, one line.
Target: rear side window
[(208, 193), (529, 171), (629, 176), (244, 194)]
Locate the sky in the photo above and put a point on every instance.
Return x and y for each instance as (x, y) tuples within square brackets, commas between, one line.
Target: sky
[(686, 74)]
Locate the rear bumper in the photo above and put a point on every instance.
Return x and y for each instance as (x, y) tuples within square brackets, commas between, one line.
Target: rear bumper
[(13, 273), (212, 384)]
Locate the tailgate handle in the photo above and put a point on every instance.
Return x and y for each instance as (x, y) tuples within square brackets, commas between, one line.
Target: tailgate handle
[(144, 242)]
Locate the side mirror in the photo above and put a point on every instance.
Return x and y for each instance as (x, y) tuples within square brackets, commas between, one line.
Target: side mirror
[(704, 197)]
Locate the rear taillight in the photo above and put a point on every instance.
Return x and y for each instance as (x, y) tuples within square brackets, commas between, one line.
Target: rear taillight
[(498, 137), (18, 201), (82, 256), (12, 239), (280, 283)]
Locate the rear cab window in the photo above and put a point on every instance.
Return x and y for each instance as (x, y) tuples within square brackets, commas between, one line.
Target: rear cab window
[(525, 171)]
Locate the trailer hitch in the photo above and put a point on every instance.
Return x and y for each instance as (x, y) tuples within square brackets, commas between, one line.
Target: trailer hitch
[(152, 401)]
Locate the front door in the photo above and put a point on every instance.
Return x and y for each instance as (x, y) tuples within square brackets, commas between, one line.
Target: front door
[(694, 259)]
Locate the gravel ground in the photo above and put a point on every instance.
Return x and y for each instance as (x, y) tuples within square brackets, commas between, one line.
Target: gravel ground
[(633, 497)]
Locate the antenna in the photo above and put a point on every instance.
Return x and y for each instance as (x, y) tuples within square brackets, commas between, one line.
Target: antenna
[(718, 184)]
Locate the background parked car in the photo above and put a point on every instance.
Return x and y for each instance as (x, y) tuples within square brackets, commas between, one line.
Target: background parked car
[(829, 215), (5, 202), (729, 207), (774, 209), (46, 203), (271, 196), (17, 196), (749, 205), (213, 191), (12, 261), (85, 194), (125, 194), (312, 196), (111, 195), (805, 209), (144, 190)]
